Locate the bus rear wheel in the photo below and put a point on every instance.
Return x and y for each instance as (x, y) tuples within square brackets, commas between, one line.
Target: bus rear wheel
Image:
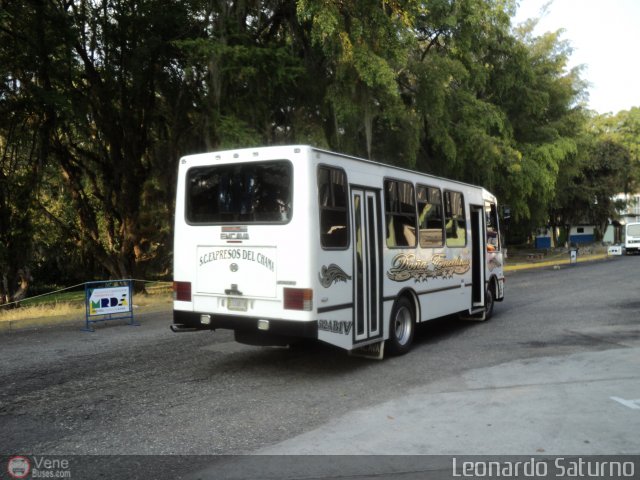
[(401, 327)]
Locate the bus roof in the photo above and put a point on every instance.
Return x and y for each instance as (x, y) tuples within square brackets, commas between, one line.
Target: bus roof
[(342, 155)]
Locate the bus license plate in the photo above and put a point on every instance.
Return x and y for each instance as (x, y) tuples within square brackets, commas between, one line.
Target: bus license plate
[(237, 304)]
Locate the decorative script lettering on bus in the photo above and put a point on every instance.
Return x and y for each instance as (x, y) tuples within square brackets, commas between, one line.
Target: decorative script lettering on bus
[(332, 274), (457, 265), (406, 265)]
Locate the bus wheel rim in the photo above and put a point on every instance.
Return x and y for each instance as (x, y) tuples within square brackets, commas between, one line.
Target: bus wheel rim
[(402, 325)]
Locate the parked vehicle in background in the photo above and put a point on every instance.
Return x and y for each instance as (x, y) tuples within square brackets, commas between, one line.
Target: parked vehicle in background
[(632, 237)]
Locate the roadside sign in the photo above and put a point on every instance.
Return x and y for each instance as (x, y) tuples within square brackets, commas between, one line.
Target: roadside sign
[(104, 299)]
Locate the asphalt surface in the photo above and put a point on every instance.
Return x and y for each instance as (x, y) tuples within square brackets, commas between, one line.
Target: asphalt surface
[(554, 372)]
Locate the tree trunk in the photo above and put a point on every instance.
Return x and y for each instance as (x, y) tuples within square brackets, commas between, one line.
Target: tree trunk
[(15, 286)]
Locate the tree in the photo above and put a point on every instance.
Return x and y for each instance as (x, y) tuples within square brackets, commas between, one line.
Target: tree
[(26, 123), (19, 175), (99, 98), (605, 175), (365, 48), (106, 72), (624, 129), (245, 73), (548, 118)]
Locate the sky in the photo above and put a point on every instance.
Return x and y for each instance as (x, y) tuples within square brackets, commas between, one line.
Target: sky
[(605, 36)]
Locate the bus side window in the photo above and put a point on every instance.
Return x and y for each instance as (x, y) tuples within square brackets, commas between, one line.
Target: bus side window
[(430, 221), (400, 214), (332, 201), (493, 233), (455, 220)]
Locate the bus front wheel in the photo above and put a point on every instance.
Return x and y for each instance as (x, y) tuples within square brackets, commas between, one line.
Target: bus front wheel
[(401, 327)]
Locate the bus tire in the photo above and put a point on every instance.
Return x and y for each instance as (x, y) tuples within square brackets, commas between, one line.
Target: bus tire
[(489, 301), (401, 327)]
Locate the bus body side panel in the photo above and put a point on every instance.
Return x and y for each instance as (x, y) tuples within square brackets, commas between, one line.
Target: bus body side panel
[(335, 299), (350, 277), (439, 277), (440, 290), (336, 306)]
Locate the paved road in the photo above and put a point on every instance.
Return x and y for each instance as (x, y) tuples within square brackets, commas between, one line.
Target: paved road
[(560, 336)]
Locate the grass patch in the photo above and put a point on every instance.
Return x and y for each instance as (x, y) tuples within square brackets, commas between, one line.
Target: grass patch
[(42, 310), (72, 303), (54, 299)]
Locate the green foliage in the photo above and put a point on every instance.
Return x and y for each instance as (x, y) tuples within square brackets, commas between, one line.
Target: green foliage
[(365, 47), (99, 99), (603, 167)]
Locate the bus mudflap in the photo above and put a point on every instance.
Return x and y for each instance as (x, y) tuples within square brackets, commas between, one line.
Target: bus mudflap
[(374, 351)]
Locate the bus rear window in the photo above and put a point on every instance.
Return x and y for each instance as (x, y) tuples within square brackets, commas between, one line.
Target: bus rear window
[(239, 193)]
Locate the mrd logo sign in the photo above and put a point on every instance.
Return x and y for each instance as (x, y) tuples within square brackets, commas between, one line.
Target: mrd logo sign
[(106, 303), (103, 301)]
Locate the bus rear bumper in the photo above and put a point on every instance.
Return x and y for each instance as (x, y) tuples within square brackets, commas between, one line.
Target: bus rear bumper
[(244, 327)]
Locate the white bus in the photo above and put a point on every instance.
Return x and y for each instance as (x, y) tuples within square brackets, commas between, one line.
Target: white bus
[(293, 242), (632, 237)]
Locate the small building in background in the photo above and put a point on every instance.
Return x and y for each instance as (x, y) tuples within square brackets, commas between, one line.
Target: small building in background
[(582, 234), (544, 239)]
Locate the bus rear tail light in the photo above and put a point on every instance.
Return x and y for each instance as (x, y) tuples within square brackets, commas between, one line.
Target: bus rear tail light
[(182, 291), (298, 299)]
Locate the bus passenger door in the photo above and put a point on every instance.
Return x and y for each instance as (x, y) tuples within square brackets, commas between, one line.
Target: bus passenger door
[(365, 205), (477, 256)]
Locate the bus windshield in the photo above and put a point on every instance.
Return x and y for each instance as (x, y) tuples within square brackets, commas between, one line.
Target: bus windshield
[(239, 193)]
